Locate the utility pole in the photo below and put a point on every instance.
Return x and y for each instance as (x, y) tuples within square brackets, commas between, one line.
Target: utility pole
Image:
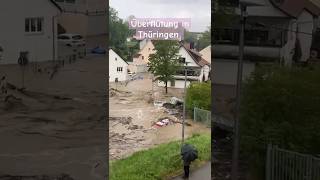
[(236, 138), (183, 60), (184, 102)]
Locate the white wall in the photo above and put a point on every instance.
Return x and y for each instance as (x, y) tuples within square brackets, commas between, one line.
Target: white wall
[(225, 71), (74, 23), (178, 84), (206, 54), (86, 25), (183, 53), (306, 25), (113, 64), (204, 72), (13, 38)]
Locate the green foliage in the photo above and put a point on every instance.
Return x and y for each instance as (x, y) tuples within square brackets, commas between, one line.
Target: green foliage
[(189, 37), (205, 39), (159, 162), (118, 33), (280, 105), (202, 42), (199, 95), (165, 62)]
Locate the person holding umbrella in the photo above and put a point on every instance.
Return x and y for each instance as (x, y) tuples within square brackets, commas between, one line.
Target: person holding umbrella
[(189, 153)]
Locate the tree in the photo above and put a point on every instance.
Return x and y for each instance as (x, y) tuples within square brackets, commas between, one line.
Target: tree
[(165, 62), (190, 37), (205, 39), (199, 95), (118, 34)]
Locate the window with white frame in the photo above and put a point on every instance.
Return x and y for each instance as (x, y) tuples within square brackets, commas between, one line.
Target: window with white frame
[(34, 25), (119, 69)]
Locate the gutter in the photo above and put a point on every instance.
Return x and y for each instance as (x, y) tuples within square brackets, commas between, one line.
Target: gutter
[(57, 5)]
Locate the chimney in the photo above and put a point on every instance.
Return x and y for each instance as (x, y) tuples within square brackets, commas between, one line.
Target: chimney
[(192, 45), (187, 45)]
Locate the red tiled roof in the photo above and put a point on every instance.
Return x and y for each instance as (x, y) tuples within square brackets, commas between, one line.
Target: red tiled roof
[(196, 57)]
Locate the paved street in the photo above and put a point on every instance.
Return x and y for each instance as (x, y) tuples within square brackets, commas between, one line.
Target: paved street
[(203, 173)]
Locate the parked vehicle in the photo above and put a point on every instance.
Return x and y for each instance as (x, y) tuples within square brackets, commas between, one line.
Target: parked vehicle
[(131, 73), (72, 40), (98, 50)]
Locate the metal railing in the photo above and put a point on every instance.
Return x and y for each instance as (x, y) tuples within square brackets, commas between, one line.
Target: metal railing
[(283, 164), (202, 116)]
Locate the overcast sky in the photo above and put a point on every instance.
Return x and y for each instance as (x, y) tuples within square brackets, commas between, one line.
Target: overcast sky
[(198, 10)]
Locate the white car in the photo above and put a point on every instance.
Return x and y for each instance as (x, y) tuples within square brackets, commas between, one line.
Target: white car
[(131, 73), (72, 40)]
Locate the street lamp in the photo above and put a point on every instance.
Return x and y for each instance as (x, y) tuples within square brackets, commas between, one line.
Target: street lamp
[(235, 154)]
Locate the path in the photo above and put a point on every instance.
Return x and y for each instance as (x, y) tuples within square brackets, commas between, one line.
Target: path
[(203, 173)]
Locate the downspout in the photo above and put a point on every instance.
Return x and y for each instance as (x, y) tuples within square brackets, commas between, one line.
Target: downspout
[(54, 29), (53, 39)]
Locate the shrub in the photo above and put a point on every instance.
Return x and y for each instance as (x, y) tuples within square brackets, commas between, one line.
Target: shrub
[(199, 95), (281, 106)]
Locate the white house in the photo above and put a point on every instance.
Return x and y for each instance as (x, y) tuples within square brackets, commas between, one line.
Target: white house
[(28, 26), (276, 31), (198, 69), (118, 68), (85, 17)]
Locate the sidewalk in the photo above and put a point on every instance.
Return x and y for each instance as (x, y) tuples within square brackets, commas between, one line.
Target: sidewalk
[(203, 173)]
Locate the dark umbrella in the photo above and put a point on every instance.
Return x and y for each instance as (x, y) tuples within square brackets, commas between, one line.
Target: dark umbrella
[(189, 153)]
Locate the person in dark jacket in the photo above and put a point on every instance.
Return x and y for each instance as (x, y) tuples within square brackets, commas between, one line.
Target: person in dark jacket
[(189, 154), (186, 168)]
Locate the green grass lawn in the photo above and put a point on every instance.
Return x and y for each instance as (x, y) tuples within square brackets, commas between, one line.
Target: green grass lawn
[(159, 162)]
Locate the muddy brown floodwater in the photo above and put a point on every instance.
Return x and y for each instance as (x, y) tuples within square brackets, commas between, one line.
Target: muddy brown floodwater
[(132, 116), (55, 129)]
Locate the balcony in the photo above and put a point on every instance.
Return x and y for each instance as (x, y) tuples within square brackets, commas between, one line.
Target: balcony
[(260, 43)]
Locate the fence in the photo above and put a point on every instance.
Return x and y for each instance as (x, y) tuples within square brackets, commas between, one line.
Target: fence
[(202, 116), (282, 164)]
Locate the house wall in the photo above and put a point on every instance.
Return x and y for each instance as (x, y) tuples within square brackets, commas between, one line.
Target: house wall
[(13, 37), (75, 20), (306, 25), (74, 23), (204, 73), (183, 53), (206, 53), (145, 52), (264, 8), (113, 64), (225, 71), (233, 50), (97, 25), (142, 44), (178, 84)]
